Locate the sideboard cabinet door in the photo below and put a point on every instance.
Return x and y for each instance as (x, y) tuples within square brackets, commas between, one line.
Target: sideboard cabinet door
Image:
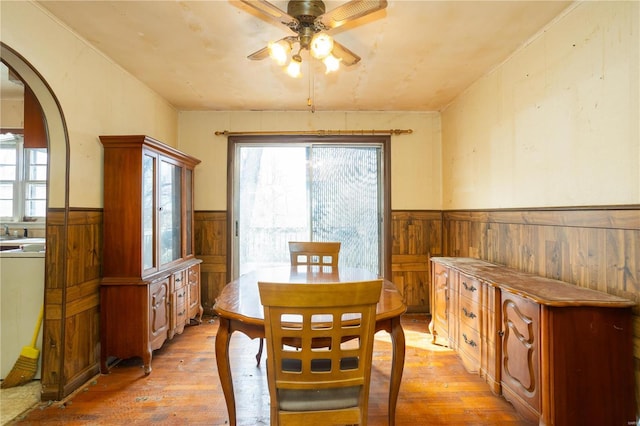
[(193, 295), (520, 354), (158, 313), (439, 325)]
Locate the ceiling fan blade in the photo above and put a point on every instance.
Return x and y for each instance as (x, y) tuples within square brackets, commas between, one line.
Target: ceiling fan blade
[(348, 57), (272, 12), (264, 52), (349, 11), (259, 54)]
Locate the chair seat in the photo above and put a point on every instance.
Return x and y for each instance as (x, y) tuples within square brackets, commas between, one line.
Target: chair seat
[(318, 399)]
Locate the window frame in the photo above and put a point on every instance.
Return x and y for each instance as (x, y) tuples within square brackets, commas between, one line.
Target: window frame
[(22, 181), (382, 140)]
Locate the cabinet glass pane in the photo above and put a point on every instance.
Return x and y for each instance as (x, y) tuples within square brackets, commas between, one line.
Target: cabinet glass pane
[(148, 209), (189, 206), (169, 212)]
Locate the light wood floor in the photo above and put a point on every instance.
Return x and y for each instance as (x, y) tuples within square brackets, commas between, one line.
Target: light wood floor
[(183, 388)]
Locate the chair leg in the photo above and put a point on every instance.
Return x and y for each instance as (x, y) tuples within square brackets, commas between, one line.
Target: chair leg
[(259, 354)]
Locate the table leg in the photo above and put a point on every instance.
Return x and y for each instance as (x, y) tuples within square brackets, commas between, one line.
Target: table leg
[(224, 368), (397, 366)]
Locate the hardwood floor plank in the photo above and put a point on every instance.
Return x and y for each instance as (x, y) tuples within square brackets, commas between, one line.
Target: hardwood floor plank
[(184, 389)]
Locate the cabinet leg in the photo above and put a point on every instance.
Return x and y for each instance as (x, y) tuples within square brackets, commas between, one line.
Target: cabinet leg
[(103, 366), (146, 360), (433, 332)]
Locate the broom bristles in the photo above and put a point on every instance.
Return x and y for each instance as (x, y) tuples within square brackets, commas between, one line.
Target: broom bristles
[(26, 366), (22, 372)]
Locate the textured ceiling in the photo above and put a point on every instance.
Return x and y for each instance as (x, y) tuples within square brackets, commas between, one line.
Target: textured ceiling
[(416, 55)]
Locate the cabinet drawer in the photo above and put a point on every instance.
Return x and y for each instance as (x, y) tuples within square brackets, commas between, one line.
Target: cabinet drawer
[(469, 313), (178, 280), (469, 287), (469, 341), (180, 304)]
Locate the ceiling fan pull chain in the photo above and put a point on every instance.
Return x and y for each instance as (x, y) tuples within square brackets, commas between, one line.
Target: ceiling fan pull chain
[(312, 89)]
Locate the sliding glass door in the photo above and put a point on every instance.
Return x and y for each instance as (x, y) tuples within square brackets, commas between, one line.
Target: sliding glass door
[(306, 191)]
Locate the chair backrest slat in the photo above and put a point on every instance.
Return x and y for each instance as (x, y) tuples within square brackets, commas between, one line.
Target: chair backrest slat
[(314, 253)]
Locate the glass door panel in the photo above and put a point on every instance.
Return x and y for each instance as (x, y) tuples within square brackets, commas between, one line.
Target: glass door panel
[(346, 203), (169, 215), (272, 204), (307, 192), (148, 210)]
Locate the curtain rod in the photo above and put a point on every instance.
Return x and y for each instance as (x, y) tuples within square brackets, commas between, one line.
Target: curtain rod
[(362, 132)]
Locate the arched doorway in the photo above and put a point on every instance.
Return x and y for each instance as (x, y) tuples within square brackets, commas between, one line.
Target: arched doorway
[(52, 357)]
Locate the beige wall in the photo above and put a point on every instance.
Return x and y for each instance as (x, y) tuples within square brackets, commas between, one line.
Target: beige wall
[(96, 96), (415, 158), (11, 113), (555, 125), (559, 118)]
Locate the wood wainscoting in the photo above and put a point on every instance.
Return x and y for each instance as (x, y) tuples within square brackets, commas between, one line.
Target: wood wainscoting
[(416, 237), (211, 247), (71, 331)]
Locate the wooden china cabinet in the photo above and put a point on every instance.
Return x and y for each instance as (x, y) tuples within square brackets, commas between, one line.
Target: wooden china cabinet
[(150, 289)]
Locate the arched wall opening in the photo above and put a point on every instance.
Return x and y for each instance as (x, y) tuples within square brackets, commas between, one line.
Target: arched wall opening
[(52, 356)]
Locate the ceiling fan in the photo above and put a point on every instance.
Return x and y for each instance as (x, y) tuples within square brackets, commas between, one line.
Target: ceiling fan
[(310, 21)]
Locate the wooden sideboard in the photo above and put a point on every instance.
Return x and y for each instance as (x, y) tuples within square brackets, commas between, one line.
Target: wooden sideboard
[(559, 353)]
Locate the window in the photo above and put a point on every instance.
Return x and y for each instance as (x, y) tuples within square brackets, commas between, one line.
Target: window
[(23, 180)]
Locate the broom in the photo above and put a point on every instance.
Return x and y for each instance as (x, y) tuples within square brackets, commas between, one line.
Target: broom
[(27, 364)]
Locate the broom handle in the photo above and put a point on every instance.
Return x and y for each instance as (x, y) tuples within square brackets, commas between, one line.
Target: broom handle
[(35, 333)]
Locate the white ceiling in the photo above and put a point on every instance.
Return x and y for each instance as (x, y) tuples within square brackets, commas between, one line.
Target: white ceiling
[(416, 55)]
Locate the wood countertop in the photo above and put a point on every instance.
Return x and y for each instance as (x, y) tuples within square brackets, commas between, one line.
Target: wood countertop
[(545, 291)]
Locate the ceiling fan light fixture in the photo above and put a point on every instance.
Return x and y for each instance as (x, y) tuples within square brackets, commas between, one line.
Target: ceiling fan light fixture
[(279, 52), (294, 69), (321, 45), (331, 63), (311, 22)]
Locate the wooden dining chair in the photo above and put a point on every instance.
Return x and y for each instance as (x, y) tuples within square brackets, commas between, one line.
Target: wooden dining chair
[(314, 253), (309, 253), (319, 350)]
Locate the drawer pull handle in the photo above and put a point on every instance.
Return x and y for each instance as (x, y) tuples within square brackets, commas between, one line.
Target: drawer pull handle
[(469, 342), (468, 314), (469, 288), (178, 280), (501, 333)]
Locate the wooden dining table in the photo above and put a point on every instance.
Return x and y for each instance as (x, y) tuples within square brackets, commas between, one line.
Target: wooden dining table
[(239, 309)]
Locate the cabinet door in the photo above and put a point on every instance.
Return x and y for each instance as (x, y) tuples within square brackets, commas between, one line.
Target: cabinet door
[(195, 308), (158, 312), (170, 212), (440, 306), (520, 375)]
